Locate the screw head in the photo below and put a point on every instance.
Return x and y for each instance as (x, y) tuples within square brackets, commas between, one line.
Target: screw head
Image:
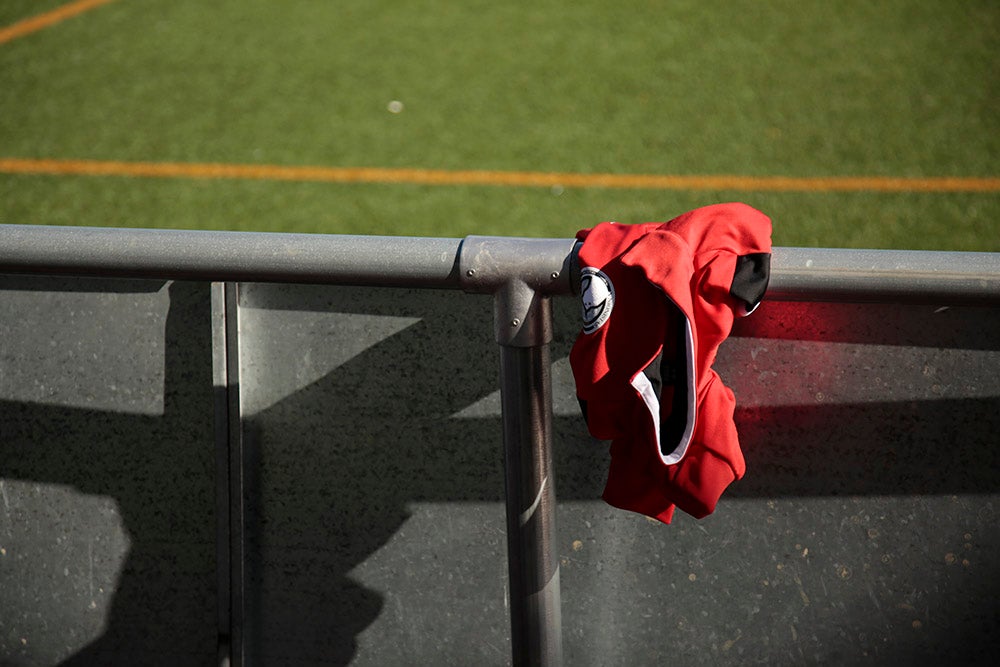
[(515, 322), (470, 272), (555, 274)]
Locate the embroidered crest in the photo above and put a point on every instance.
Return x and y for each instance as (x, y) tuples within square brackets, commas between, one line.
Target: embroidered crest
[(598, 296)]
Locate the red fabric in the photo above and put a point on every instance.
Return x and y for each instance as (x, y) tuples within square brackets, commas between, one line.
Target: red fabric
[(662, 274)]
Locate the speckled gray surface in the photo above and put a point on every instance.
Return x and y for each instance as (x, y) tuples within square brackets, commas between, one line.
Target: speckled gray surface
[(865, 531), (107, 533)]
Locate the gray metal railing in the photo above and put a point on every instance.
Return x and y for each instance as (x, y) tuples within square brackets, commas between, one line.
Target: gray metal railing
[(815, 274), (521, 275)]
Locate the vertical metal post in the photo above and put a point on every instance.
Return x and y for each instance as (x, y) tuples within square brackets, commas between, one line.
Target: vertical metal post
[(521, 274), (229, 474), (523, 321)]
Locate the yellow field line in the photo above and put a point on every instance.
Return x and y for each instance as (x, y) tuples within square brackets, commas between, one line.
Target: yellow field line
[(508, 178), (35, 23)]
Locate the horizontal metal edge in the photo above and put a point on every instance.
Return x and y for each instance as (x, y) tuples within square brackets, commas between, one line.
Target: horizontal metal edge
[(797, 274), (911, 276), (230, 256)]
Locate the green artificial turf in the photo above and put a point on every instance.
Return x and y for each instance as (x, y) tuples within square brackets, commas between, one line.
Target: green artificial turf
[(896, 88), (12, 11)]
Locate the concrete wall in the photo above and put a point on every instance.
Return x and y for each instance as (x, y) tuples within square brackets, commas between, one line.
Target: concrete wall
[(864, 532), (107, 531)]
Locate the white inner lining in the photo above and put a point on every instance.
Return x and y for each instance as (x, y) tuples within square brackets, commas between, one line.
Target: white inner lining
[(642, 385)]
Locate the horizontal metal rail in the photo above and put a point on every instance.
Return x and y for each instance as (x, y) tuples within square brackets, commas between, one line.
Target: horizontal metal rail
[(814, 274), (230, 256), (893, 276)]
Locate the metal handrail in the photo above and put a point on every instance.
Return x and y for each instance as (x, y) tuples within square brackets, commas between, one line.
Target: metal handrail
[(885, 276), (814, 274)]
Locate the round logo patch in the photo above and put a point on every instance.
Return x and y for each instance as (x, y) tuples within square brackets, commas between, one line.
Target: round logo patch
[(598, 296)]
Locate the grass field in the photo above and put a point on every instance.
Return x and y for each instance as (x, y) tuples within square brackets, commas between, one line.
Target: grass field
[(812, 91)]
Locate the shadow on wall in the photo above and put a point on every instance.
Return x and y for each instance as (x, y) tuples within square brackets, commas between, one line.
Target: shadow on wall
[(156, 474), (338, 463)]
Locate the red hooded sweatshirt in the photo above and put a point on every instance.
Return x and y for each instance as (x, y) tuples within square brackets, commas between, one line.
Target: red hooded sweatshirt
[(658, 300)]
